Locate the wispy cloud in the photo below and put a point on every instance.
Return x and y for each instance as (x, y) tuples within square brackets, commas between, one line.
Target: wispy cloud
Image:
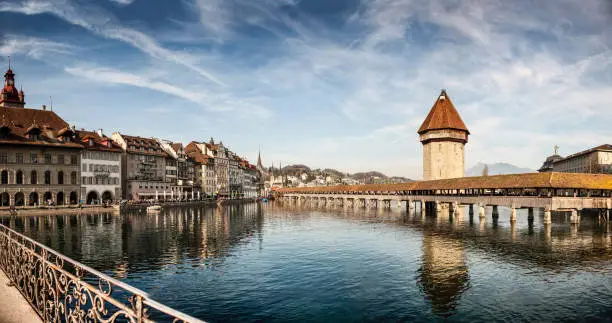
[(32, 47), (219, 102), (123, 2), (104, 25)]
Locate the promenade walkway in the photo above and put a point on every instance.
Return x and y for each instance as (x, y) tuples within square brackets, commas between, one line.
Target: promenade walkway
[(13, 307)]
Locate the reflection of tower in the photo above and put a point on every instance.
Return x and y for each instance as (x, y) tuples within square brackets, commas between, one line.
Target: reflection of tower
[(443, 273)]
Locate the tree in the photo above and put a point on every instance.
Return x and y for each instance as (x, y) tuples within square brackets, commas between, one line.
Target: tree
[(485, 170)]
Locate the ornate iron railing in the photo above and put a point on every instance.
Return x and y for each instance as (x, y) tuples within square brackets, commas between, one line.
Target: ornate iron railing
[(61, 289)]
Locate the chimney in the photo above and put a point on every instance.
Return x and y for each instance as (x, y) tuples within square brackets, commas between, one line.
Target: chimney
[(99, 131), (44, 107)]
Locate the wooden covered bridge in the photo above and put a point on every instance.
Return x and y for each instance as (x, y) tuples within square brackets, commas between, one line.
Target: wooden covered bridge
[(569, 192)]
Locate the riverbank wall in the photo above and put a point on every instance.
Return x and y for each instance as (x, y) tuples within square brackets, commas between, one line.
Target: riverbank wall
[(85, 209)]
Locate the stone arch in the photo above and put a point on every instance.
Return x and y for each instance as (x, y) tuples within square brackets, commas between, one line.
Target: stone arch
[(19, 177), (93, 197), (60, 198), (33, 177), (74, 197), (60, 177), (5, 199), (4, 177), (19, 199), (33, 199), (47, 197), (107, 196)]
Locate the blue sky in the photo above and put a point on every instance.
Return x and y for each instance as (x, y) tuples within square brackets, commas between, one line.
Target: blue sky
[(342, 84)]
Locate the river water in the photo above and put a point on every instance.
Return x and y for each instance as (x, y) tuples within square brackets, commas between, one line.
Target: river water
[(292, 264)]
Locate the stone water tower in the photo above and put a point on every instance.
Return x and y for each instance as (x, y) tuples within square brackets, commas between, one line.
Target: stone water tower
[(444, 136)]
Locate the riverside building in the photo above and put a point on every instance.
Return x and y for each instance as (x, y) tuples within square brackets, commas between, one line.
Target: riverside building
[(39, 153), (100, 167), (143, 166)]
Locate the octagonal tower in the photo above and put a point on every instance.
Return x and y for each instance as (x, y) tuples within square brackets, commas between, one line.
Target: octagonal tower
[(444, 136)]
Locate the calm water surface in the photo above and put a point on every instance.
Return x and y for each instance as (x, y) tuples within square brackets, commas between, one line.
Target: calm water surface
[(269, 263)]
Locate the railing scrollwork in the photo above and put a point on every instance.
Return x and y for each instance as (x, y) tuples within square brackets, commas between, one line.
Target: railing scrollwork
[(61, 289)]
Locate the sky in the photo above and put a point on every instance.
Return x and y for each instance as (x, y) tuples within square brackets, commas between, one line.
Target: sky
[(341, 84)]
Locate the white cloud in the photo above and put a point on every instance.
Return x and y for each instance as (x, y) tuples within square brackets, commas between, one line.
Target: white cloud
[(32, 47), (123, 2), (104, 26), (219, 102)]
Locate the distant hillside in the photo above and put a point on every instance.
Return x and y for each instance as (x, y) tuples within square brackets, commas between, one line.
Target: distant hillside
[(497, 169), (367, 175), (296, 169)]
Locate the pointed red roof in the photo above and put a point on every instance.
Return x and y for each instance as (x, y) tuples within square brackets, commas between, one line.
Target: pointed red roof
[(443, 115)]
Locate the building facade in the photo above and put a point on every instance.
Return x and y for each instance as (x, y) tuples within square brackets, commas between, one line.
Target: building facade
[(143, 168), (40, 157), (100, 168), (443, 135), (179, 169), (204, 167), (597, 160)]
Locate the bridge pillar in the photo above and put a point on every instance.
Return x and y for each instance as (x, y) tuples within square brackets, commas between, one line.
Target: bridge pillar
[(411, 207), (513, 215), (530, 214), (547, 216), (423, 208), (481, 212), (438, 207), (454, 211), (471, 209), (495, 212), (575, 217)]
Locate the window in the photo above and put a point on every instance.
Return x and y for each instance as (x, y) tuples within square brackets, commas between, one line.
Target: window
[(73, 160), (34, 158), (48, 177), (19, 177), (3, 158), (4, 177), (60, 177), (19, 158), (91, 167), (47, 158), (73, 178), (60, 159), (84, 167), (84, 180), (33, 177)]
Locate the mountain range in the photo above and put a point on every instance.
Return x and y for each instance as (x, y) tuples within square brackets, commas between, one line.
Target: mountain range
[(497, 169)]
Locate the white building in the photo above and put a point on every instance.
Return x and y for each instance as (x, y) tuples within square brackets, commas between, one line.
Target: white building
[(594, 160), (100, 168)]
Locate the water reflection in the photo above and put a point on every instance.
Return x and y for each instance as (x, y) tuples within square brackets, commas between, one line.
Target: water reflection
[(139, 242), (443, 275), (278, 263)]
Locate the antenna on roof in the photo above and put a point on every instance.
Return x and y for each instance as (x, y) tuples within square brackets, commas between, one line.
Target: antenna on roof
[(51, 102), (9, 59)]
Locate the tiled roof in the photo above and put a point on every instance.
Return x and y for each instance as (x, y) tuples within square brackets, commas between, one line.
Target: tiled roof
[(443, 115), (98, 142), (20, 120), (529, 180), (150, 146), (177, 146)]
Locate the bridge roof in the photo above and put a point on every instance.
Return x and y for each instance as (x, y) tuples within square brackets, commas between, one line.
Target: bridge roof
[(528, 180)]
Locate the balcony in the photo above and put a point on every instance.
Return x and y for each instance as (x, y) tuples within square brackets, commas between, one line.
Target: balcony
[(101, 173)]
